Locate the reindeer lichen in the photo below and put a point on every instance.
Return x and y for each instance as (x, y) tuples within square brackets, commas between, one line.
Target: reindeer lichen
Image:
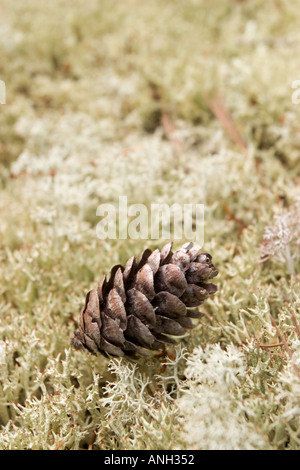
[(163, 102)]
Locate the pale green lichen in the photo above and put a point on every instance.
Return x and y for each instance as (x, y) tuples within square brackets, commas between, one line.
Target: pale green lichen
[(80, 127)]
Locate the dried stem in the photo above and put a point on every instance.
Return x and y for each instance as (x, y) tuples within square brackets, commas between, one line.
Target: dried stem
[(288, 349), (274, 345), (222, 114)]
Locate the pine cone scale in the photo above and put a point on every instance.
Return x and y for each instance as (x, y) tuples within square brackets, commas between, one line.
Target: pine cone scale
[(169, 304), (168, 326), (111, 331), (139, 332), (144, 281), (170, 278), (138, 304), (115, 308)]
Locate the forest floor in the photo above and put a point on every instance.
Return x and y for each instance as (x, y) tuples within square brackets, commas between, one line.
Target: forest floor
[(161, 102)]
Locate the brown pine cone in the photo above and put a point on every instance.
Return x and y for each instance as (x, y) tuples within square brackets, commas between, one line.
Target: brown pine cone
[(145, 304)]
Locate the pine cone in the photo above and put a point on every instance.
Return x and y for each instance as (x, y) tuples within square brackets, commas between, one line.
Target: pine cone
[(145, 304)]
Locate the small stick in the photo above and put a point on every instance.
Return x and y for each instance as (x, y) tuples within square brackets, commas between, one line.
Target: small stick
[(222, 114), (274, 345), (297, 328), (170, 132), (167, 122), (288, 349), (59, 445), (234, 218), (90, 447)]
